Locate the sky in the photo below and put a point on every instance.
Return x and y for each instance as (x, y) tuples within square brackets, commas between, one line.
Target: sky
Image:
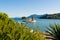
[(19, 8)]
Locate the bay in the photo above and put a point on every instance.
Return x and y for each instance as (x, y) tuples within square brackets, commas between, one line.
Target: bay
[(42, 24)]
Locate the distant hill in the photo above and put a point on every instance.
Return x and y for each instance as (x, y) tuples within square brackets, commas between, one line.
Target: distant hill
[(34, 15), (16, 18), (38, 16), (45, 16), (51, 16)]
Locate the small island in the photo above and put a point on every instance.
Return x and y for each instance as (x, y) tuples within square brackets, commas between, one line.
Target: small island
[(29, 20)]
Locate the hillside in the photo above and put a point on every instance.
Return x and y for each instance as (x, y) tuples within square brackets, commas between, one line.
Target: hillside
[(51, 16), (46, 16)]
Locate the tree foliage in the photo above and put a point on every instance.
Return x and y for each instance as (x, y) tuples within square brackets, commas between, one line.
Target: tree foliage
[(24, 17)]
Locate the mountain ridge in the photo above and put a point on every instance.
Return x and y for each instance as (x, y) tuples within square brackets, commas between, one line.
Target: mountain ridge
[(44, 16)]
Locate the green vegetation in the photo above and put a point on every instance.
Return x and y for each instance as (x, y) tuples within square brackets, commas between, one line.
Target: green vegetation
[(54, 16), (51, 16), (54, 31), (10, 30), (24, 17)]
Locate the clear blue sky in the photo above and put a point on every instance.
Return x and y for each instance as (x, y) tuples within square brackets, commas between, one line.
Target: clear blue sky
[(18, 8)]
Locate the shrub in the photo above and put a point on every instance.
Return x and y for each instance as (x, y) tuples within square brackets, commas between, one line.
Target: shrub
[(10, 30), (54, 31)]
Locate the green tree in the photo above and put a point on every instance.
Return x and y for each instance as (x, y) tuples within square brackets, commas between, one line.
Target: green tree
[(32, 18), (24, 17)]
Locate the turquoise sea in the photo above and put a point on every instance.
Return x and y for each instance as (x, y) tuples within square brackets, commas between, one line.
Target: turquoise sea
[(42, 24)]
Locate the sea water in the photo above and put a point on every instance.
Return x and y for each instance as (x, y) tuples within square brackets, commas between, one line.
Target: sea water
[(42, 24)]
